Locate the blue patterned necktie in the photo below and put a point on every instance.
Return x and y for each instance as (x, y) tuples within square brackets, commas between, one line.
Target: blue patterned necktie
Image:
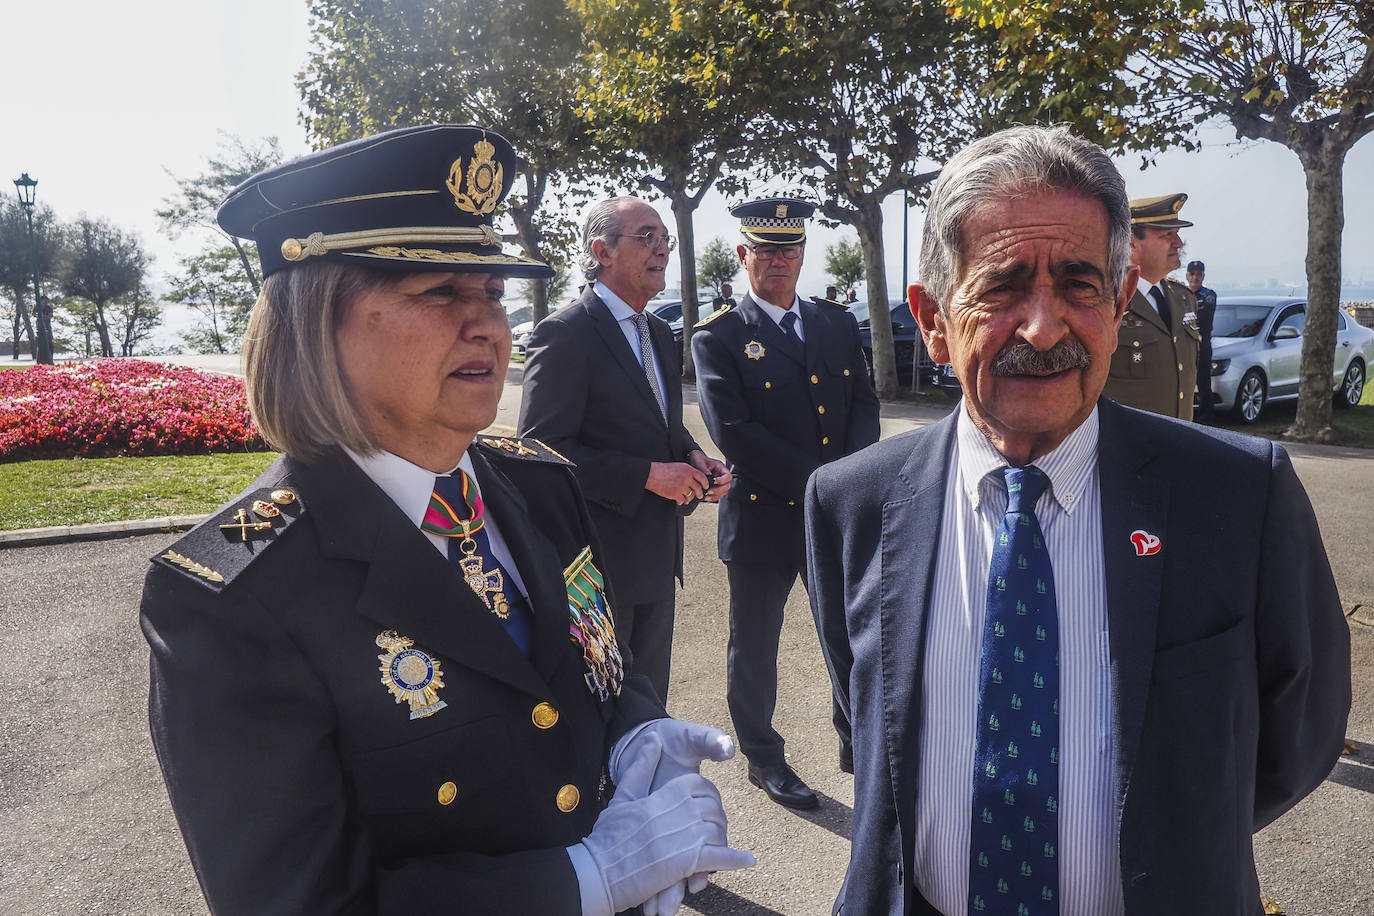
[(454, 502), (1013, 848), (789, 330)]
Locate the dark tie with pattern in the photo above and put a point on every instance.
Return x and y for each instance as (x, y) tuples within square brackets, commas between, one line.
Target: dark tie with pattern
[(646, 354), (457, 513), (1014, 840), (1162, 304), (789, 330)]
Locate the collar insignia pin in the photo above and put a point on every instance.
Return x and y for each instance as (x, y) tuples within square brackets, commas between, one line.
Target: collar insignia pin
[(1146, 544)]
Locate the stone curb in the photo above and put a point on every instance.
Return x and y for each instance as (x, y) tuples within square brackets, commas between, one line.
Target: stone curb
[(61, 534)]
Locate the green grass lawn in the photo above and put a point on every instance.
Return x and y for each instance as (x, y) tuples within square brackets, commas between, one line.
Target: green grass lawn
[(1354, 426), (75, 491)]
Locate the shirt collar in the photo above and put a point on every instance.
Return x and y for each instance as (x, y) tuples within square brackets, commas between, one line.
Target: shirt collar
[(1069, 466), (775, 311), (408, 485), (1144, 286), (619, 308)]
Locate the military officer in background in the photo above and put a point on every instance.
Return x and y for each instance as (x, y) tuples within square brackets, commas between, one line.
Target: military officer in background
[(1155, 364), (1206, 314), (385, 677), (783, 388)]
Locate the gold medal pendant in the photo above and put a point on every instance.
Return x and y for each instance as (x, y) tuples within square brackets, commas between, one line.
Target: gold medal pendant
[(486, 584)]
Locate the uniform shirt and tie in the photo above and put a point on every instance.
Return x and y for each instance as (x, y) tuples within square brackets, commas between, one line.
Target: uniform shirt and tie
[(635, 326), (1070, 515), (1154, 366), (790, 326)]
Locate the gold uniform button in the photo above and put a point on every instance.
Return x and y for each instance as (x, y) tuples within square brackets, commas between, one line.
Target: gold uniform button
[(791, 502), (1180, 367), (447, 793), (544, 716), (1135, 343), (768, 384), (846, 373), (820, 409), (825, 440), (568, 797), (753, 497), (815, 379)]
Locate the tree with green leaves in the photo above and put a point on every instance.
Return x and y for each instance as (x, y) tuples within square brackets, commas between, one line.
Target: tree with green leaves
[(861, 95), (197, 199), (668, 89), (718, 265), (844, 262), (133, 318), (107, 264), (16, 263), (1143, 74), (505, 64), (214, 284)]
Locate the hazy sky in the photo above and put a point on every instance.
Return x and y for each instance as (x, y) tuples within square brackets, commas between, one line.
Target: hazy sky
[(103, 100)]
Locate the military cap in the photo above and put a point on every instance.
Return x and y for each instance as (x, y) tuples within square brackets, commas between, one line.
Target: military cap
[(417, 198), (1159, 212), (1197, 266), (774, 220)]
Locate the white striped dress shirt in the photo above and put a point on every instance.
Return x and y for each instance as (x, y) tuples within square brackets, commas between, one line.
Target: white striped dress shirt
[(1070, 513)]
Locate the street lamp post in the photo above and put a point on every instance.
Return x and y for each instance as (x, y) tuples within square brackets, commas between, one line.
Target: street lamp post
[(27, 188)]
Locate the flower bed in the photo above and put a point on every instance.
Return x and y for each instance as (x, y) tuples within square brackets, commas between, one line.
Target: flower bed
[(108, 407)]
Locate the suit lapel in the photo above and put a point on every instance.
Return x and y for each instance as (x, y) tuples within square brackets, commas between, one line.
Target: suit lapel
[(619, 346), (910, 538), (1142, 306), (536, 558), (664, 347), (810, 317), (1131, 501), (409, 586)]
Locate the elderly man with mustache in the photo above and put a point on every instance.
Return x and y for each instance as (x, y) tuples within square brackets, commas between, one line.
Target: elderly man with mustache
[(1086, 650)]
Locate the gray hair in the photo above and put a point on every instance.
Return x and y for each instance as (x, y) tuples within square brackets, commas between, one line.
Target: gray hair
[(1015, 160), (603, 221), (296, 389)]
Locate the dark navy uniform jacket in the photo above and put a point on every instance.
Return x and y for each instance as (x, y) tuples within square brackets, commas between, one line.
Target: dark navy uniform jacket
[(301, 784), (777, 418)]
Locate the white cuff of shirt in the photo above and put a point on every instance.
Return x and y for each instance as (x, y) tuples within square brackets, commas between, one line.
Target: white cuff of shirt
[(596, 897)]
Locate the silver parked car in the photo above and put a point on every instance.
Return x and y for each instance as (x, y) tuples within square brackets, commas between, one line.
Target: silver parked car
[(1257, 353)]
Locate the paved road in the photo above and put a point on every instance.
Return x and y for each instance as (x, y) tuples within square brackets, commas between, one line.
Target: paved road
[(89, 830)]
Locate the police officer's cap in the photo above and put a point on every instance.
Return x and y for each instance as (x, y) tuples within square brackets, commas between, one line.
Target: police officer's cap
[(1197, 267), (1159, 212), (774, 220), (418, 198)]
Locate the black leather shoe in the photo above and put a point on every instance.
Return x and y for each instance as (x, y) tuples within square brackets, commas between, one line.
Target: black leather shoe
[(847, 759), (783, 786)]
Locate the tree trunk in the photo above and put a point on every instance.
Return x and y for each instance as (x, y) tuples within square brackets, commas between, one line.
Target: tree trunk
[(102, 328), (529, 236), (869, 224), (23, 324), (1322, 166), (683, 208)]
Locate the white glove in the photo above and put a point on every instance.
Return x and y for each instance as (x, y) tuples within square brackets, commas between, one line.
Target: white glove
[(646, 842), (681, 748)]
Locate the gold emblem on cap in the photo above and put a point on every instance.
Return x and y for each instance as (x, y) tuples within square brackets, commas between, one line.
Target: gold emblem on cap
[(781, 212), (754, 350), (410, 675), (481, 186), (568, 797)]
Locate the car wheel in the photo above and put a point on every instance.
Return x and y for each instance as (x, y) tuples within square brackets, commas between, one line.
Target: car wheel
[(1250, 395), (1352, 386)]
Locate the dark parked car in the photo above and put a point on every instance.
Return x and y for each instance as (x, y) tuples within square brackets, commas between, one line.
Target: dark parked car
[(906, 344)]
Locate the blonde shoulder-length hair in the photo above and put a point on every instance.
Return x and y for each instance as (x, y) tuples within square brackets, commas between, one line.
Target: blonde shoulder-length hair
[(296, 389)]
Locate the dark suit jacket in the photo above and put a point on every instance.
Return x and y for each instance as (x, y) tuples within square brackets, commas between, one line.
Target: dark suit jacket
[(586, 396), (777, 418), (300, 784), (1230, 651)]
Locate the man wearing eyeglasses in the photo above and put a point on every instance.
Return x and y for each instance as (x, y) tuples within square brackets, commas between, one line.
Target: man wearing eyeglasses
[(783, 388), (603, 386)]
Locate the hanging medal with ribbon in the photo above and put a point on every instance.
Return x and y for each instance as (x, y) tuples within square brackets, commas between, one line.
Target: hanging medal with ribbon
[(442, 518)]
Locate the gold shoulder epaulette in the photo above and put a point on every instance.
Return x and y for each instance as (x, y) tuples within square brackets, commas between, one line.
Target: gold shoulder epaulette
[(527, 448), (714, 315), (833, 303), (220, 548)]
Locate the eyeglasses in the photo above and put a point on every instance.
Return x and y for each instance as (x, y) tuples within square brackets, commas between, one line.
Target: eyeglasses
[(648, 239), (769, 252)]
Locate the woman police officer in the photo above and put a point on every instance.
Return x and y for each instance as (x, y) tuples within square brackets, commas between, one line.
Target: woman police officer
[(385, 676)]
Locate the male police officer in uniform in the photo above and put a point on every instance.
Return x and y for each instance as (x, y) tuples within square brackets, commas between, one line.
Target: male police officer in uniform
[(783, 388), (1206, 313), (1155, 363)]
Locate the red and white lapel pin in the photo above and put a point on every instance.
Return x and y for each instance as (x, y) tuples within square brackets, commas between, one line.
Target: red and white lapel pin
[(1146, 544)]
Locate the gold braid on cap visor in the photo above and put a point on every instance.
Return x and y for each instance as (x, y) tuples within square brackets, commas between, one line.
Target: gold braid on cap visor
[(318, 243)]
